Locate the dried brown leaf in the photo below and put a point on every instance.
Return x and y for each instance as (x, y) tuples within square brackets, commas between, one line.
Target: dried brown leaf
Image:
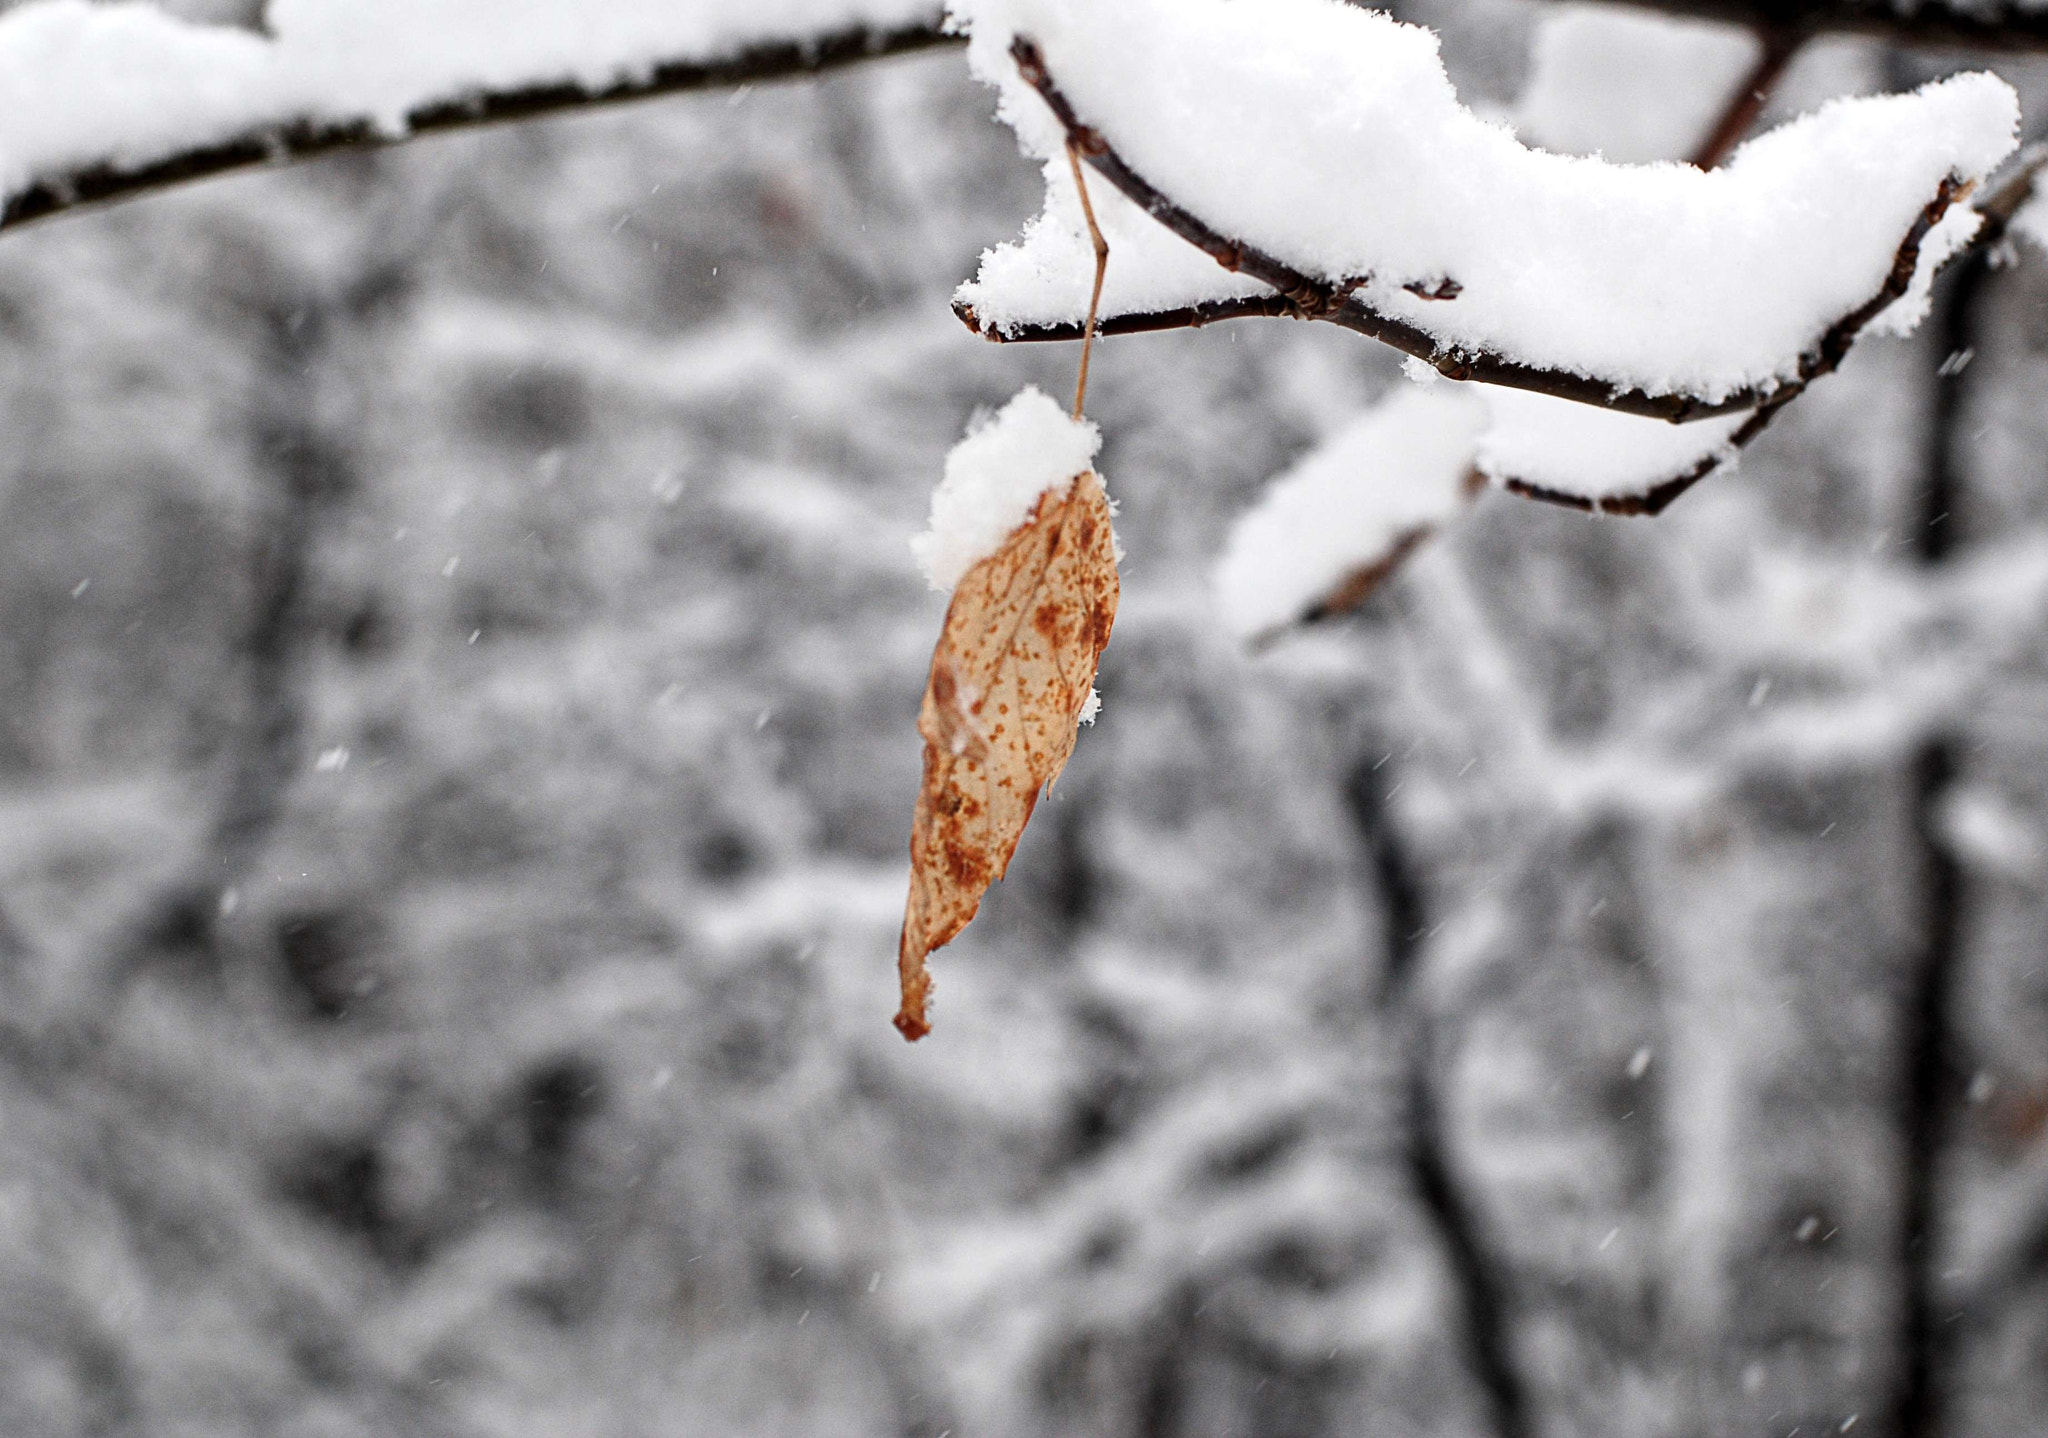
[(1011, 671)]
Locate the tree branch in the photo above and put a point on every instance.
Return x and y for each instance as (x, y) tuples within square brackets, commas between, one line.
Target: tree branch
[(1998, 209), (1750, 97), (781, 60), (1989, 25), (1187, 317), (1929, 1088), (1304, 297)]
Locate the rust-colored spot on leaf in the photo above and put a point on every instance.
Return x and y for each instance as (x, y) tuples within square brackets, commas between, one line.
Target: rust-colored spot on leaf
[(1022, 638)]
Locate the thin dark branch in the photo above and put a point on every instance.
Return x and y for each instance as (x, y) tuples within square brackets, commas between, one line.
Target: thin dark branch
[(1350, 592), (1188, 317), (1364, 582), (1337, 303), (789, 59), (1988, 25), (1955, 322), (1479, 1287), (1997, 208), (1750, 97), (1930, 1088)]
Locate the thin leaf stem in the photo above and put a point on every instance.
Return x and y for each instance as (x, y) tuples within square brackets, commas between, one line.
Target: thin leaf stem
[(1101, 269)]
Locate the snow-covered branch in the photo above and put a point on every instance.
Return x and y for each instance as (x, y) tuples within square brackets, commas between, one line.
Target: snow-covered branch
[(1335, 526), (1823, 359), (1515, 455), (1664, 292), (111, 101)]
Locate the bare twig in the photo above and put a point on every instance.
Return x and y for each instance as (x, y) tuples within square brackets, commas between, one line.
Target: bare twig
[(788, 59), (1101, 269), (1187, 317), (1362, 583), (1999, 207), (1308, 298), (1750, 97)]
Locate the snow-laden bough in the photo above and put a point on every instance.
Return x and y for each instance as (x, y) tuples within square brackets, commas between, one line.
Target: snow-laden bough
[(1319, 152), (106, 99), (1332, 526)]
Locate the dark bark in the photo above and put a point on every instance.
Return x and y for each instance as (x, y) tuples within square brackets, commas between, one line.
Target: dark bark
[(1750, 97)]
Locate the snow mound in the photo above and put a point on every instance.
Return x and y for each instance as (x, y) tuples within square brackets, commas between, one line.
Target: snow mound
[(1398, 470), (994, 478), (126, 84)]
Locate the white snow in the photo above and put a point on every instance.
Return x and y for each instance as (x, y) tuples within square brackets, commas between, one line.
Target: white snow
[(127, 84), (994, 478), (1993, 835), (1049, 273), (1950, 235), (1329, 136), (1661, 82), (1397, 469), (1401, 468), (2030, 221)]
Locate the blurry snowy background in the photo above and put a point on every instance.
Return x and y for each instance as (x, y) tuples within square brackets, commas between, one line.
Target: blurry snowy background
[(459, 653)]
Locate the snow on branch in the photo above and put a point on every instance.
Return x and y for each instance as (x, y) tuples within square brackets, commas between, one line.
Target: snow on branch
[(1635, 86), (1338, 523), (1334, 527), (1316, 154), (106, 101), (1618, 464)]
